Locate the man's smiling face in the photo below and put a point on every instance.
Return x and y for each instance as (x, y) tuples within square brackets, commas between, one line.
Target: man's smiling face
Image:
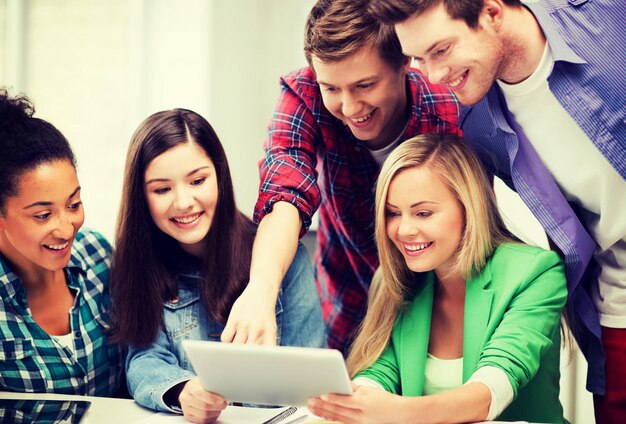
[(366, 93), (449, 52)]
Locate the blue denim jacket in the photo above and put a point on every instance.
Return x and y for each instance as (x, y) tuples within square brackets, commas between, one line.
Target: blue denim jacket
[(153, 370)]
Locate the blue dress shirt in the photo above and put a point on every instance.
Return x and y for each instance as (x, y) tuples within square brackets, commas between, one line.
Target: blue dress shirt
[(587, 40)]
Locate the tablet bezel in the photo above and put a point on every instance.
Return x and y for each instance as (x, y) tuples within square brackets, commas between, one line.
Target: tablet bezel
[(267, 375)]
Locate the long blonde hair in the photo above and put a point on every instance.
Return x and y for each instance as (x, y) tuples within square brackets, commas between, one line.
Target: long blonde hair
[(450, 158)]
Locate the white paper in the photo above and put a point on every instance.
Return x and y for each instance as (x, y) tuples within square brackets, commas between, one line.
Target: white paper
[(230, 415)]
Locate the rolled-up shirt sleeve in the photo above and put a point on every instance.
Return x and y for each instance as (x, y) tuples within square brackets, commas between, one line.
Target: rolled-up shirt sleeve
[(288, 170), (498, 384)]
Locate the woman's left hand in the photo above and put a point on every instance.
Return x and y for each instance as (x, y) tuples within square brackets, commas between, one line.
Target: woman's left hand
[(365, 405)]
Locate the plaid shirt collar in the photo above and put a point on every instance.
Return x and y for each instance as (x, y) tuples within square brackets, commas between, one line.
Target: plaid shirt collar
[(11, 284), (94, 368)]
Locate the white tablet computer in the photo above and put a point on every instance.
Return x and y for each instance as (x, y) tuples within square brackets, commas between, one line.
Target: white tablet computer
[(267, 375)]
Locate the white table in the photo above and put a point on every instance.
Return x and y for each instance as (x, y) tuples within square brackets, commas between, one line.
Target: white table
[(102, 410), (121, 411)]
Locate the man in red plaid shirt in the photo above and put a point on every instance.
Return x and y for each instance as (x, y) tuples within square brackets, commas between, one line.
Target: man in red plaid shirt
[(335, 123)]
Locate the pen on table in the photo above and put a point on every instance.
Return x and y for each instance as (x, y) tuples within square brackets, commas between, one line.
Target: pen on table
[(281, 416)]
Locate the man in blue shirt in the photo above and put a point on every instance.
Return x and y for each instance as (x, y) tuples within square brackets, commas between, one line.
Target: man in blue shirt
[(543, 84)]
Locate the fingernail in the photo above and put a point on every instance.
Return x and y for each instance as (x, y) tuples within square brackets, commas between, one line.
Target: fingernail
[(324, 397)]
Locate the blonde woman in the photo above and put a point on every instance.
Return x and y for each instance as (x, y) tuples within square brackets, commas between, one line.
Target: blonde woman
[(463, 321)]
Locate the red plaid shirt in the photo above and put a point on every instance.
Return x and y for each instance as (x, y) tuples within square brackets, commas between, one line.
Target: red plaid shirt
[(313, 161)]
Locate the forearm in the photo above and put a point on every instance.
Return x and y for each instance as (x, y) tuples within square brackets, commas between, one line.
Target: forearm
[(468, 403), (252, 318), (151, 374), (274, 247)]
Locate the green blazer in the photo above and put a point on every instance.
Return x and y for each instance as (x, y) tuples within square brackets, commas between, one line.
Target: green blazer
[(511, 321)]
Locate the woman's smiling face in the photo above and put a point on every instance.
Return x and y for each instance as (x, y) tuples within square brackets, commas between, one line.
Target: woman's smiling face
[(181, 192), (38, 224), (424, 220)]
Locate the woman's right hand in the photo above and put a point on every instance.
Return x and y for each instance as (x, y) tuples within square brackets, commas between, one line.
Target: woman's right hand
[(198, 405), (252, 318)]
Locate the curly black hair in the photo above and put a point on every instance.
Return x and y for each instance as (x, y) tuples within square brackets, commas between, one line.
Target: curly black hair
[(25, 143)]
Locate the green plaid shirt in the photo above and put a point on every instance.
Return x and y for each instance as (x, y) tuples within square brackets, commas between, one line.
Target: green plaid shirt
[(41, 411), (33, 361)]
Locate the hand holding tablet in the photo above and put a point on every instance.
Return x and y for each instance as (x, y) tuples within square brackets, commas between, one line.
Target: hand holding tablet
[(267, 375)]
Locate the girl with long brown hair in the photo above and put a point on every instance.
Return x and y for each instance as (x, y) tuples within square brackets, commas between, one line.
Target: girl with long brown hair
[(182, 258)]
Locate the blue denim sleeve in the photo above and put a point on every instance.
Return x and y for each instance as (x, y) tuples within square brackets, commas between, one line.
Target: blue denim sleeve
[(152, 371), (301, 323)]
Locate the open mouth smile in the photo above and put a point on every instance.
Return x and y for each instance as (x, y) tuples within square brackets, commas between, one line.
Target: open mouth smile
[(57, 247), (186, 219), (416, 248), (458, 83), (363, 118), (362, 121)]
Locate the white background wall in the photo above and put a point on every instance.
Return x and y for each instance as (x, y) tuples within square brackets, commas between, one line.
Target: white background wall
[(97, 68)]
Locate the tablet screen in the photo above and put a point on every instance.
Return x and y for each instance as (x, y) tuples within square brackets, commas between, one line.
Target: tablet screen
[(22, 411)]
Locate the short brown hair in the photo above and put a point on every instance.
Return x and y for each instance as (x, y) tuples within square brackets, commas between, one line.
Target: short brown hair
[(336, 29), (395, 11)]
